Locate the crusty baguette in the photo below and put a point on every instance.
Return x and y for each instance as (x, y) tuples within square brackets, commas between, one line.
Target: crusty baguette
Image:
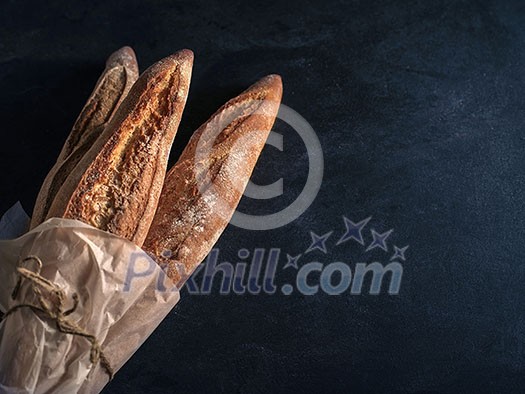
[(202, 190), (116, 185), (120, 74)]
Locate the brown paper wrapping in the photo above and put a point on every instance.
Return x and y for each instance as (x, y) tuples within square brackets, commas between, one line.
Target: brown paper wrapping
[(122, 299)]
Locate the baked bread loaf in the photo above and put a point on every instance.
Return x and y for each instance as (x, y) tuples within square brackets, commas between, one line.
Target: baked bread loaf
[(120, 74), (202, 190), (116, 185)]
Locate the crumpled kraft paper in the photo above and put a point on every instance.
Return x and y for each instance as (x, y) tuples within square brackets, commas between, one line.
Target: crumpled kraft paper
[(123, 295)]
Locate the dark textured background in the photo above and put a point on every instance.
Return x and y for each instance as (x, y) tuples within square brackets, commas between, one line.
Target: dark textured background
[(419, 107)]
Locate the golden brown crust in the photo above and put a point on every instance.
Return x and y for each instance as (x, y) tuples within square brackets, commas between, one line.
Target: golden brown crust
[(116, 185), (120, 74), (202, 190)]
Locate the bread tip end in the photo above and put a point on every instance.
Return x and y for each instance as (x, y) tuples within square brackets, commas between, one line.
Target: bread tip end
[(275, 77), (185, 56), (271, 80), (273, 84), (123, 56)]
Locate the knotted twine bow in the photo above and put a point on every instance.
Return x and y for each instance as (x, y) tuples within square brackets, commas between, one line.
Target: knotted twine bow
[(53, 308)]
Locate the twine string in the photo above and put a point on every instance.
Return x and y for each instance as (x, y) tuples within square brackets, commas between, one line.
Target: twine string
[(53, 308)]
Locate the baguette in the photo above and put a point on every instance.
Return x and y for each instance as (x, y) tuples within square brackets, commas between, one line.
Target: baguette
[(116, 185), (202, 190), (120, 74)]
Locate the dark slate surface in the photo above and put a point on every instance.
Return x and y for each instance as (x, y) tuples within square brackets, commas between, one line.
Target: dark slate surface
[(419, 107)]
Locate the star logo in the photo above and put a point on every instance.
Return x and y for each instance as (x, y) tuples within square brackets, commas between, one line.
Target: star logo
[(318, 242), (399, 253), (292, 261), (354, 230), (379, 240)]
